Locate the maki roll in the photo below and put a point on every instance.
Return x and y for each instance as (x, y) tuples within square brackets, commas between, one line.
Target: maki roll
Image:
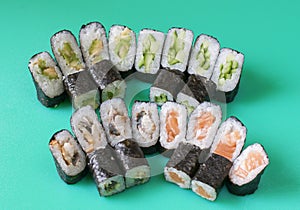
[(245, 174), (108, 80), (183, 164), (88, 129), (137, 170), (173, 119), (107, 173), (227, 72), (149, 49), (204, 55), (177, 48), (67, 53), (47, 79), (114, 116), (82, 90), (93, 43), (203, 124), (166, 86), (68, 157), (122, 47)]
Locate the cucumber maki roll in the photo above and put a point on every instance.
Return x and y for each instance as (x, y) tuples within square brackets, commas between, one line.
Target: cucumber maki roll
[(137, 170), (227, 72), (149, 50), (114, 116), (166, 86), (47, 79), (68, 157), (177, 48), (82, 90), (203, 124), (67, 53), (122, 47), (108, 80), (93, 43), (107, 173), (183, 164), (88, 129), (245, 174), (204, 55)]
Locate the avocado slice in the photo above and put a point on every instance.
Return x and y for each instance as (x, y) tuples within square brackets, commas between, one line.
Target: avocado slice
[(123, 43), (70, 56), (47, 71)]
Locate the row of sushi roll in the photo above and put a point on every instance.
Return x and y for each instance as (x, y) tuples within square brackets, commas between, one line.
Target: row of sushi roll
[(94, 68)]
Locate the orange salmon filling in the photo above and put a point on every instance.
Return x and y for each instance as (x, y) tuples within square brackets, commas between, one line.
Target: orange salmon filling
[(172, 125), (202, 192), (204, 122), (227, 145), (176, 178)]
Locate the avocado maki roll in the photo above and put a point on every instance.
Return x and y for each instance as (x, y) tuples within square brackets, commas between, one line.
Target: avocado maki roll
[(227, 72), (107, 173), (176, 50), (47, 79), (137, 170), (93, 43), (67, 53), (247, 169), (68, 157), (149, 50), (183, 164), (204, 55), (122, 47), (88, 129)]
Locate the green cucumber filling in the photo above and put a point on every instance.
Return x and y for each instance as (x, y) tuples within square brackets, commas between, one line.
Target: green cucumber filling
[(115, 89), (123, 43), (95, 49), (203, 56), (162, 98), (176, 53), (227, 69), (189, 108), (47, 71), (150, 47), (70, 56)]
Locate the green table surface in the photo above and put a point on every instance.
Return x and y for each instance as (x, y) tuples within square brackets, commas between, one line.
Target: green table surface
[(268, 102)]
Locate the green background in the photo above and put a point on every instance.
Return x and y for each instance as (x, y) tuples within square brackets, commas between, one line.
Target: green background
[(268, 101)]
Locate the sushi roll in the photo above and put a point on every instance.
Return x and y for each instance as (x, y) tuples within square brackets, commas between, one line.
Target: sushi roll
[(67, 53), (173, 119), (245, 174), (68, 157), (230, 139), (114, 116), (204, 55), (210, 176), (82, 90), (137, 169), (106, 170), (166, 86), (122, 47), (183, 164), (108, 80), (149, 50), (145, 124), (93, 43), (203, 124), (227, 72), (176, 50), (88, 129), (47, 79)]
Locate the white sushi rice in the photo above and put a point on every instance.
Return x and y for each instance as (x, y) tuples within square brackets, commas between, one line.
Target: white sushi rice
[(57, 42), (204, 190), (88, 129), (140, 172), (193, 132), (127, 62), (51, 87), (181, 120), (229, 84), (186, 180), (114, 116), (89, 33), (70, 146), (213, 48), (184, 54), (145, 128), (187, 100), (240, 164)]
